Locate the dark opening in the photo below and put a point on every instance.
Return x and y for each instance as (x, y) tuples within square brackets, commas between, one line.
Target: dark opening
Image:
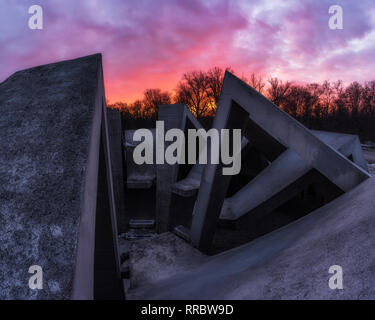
[(305, 195), (107, 284)]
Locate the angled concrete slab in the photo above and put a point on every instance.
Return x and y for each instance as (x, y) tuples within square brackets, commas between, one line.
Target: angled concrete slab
[(54, 147), (290, 263)]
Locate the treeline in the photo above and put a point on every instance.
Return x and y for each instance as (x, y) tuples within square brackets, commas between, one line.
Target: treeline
[(327, 106)]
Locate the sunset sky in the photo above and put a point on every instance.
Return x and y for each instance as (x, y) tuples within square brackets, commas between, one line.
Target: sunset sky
[(151, 43)]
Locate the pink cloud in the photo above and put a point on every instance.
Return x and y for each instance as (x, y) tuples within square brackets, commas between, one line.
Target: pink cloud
[(152, 43)]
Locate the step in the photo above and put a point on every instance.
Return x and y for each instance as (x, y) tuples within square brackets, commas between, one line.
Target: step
[(140, 182), (182, 232), (187, 187), (142, 224)]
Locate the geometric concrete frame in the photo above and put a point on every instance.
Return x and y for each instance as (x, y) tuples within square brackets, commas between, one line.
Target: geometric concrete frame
[(280, 126), (281, 174)]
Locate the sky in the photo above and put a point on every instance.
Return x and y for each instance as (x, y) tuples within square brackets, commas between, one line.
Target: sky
[(151, 43)]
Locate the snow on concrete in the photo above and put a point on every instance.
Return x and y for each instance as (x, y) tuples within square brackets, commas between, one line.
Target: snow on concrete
[(291, 262)]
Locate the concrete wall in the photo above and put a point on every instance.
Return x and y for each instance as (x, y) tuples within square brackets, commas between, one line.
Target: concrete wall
[(51, 125), (115, 139)]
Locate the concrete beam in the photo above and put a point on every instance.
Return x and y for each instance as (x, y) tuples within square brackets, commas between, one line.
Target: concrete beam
[(292, 134), (214, 185), (282, 172)]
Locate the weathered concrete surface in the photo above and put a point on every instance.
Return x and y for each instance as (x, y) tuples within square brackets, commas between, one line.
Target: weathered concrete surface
[(158, 258), (46, 115), (292, 262), (346, 144)]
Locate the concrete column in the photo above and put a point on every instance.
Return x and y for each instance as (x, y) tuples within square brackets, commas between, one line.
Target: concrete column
[(115, 142), (214, 184), (166, 175)]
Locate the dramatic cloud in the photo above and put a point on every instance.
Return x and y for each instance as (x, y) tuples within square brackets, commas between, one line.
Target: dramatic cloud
[(151, 43)]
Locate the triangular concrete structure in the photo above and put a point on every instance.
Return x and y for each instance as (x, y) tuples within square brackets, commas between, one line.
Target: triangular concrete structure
[(289, 138)]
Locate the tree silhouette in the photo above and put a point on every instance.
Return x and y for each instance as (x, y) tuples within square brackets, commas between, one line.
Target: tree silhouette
[(193, 90), (278, 91), (153, 98), (327, 106)]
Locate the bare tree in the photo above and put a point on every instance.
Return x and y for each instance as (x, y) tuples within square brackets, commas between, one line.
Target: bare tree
[(327, 97), (256, 81), (368, 98), (215, 78), (137, 109), (278, 91), (153, 98), (193, 90), (368, 110), (312, 102), (353, 95)]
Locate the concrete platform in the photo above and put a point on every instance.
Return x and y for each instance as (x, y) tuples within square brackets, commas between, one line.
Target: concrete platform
[(158, 258), (291, 262)]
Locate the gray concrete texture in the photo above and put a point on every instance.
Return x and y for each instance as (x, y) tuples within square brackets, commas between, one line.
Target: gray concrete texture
[(50, 128), (159, 258), (291, 262)]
